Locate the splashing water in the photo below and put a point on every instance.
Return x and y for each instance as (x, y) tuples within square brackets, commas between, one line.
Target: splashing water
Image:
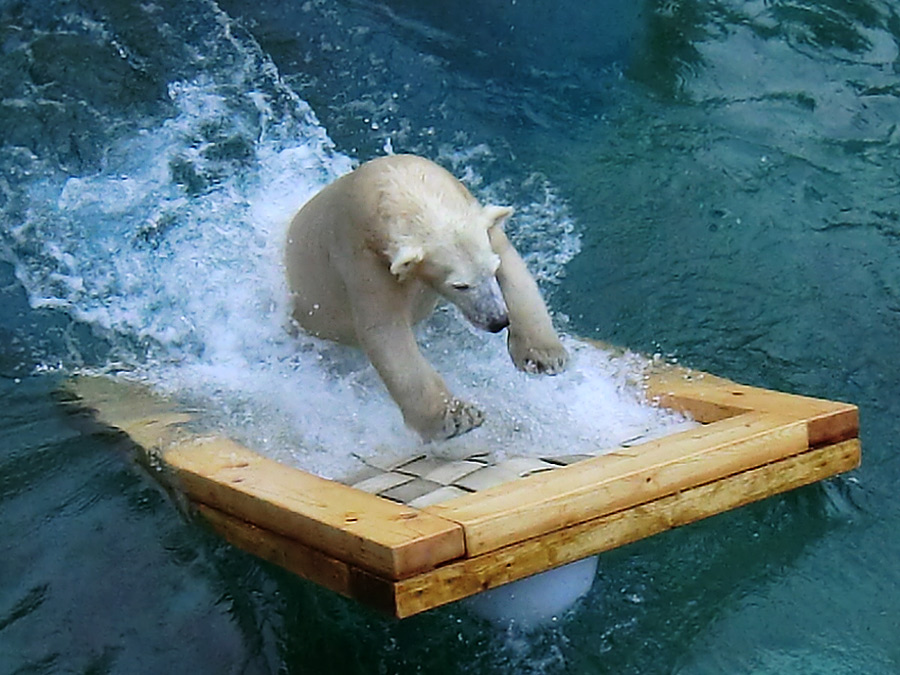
[(171, 249)]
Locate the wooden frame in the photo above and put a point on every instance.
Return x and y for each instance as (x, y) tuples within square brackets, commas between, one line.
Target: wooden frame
[(752, 443)]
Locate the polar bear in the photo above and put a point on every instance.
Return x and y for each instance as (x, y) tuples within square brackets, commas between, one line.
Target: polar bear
[(370, 255)]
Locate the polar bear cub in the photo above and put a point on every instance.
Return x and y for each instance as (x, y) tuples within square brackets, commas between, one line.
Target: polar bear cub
[(371, 254)]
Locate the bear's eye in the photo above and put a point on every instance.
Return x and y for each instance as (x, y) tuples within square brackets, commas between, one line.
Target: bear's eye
[(460, 286)]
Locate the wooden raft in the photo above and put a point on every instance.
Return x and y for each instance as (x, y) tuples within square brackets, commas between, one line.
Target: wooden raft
[(752, 443)]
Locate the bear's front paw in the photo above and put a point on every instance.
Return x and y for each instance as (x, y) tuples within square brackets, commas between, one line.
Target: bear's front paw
[(545, 357), (459, 417)]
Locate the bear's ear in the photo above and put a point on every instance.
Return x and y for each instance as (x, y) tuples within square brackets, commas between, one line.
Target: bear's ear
[(404, 260), (497, 215)]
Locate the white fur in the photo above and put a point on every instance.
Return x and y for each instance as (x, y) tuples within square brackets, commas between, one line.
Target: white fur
[(369, 256)]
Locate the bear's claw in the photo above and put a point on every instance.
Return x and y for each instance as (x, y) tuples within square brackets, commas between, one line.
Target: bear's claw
[(546, 359), (460, 417)]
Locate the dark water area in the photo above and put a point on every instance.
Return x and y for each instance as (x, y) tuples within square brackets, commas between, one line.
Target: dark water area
[(717, 182)]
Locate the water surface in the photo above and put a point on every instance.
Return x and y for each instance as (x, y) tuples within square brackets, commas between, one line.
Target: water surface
[(712, 181)]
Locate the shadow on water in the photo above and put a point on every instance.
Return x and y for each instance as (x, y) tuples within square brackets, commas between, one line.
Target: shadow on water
[(732, 172)]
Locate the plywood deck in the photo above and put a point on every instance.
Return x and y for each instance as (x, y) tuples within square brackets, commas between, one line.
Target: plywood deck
[(469, 527)]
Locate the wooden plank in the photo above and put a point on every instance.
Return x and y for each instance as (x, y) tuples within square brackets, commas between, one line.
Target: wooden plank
[(304, 561), (708, 399), (375, 534), (404, 560), (838, 424), (463, 578), (561, 498), (700, 410)]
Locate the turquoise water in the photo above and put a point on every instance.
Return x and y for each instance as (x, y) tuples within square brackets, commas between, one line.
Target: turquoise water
[(715, 182)]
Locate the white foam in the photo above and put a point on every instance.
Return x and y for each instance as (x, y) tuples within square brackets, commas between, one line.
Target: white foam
[(175, 250)]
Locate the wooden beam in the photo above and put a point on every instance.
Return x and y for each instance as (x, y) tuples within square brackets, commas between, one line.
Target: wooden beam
[(304, 561), (567, 496), (404, 560), (709, 399), (463, 578), (390, 539)]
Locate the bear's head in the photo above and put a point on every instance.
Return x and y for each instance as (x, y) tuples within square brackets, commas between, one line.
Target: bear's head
[(457, 261)]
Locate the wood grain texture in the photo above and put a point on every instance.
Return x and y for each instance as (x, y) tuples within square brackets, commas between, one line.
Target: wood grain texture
[(460, 579), (390, 539), (709, 399), (304, 561), (402, 560), (564, 497)]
